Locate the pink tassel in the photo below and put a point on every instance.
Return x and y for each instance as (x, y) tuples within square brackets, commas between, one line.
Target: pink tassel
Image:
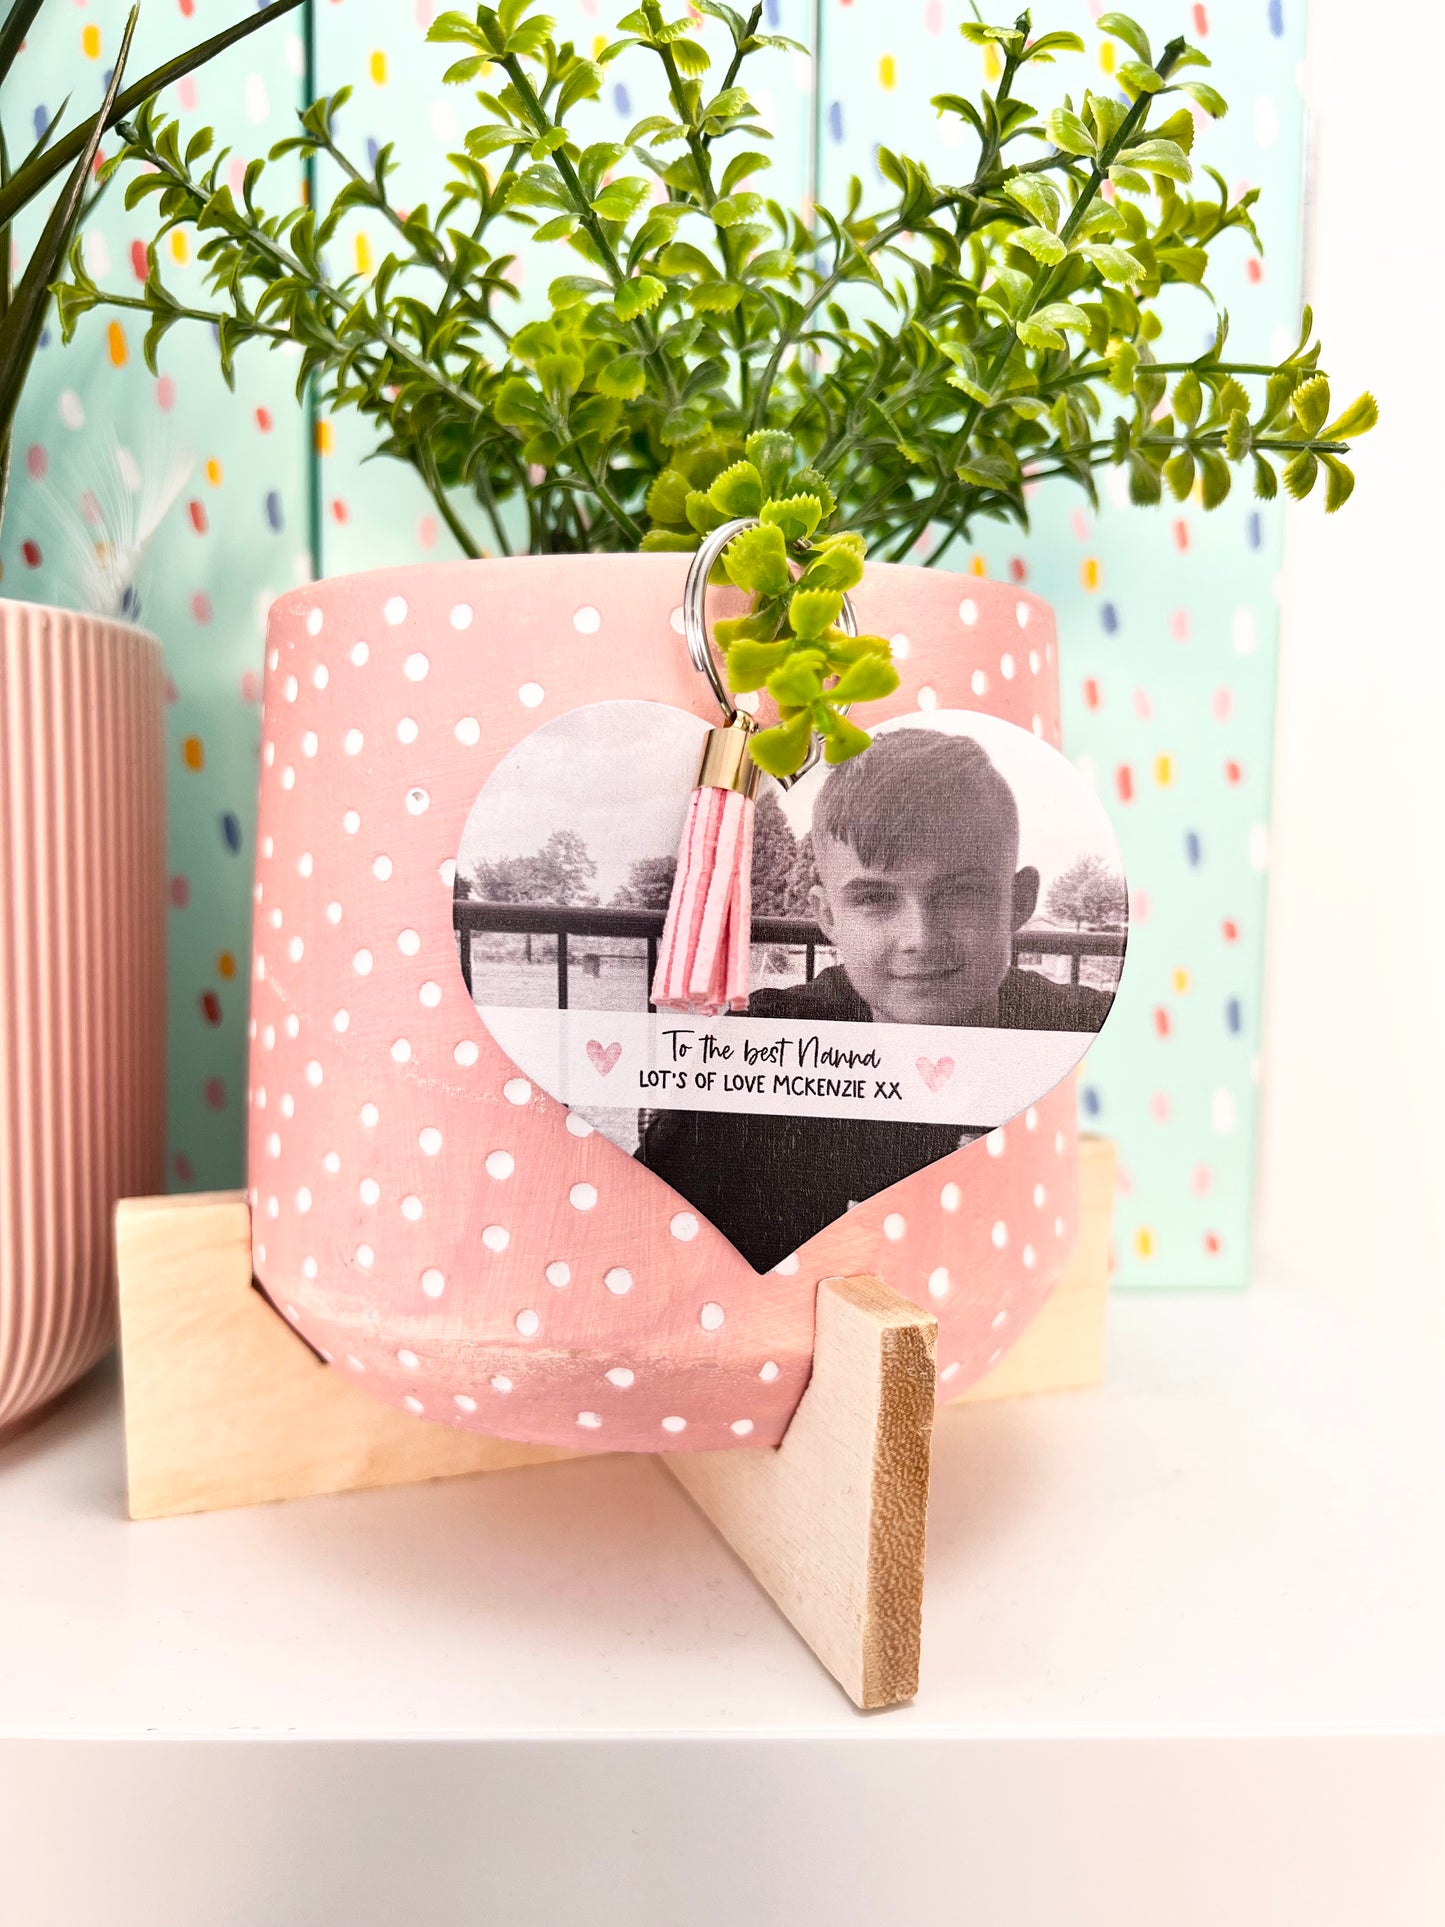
[(704, 962)]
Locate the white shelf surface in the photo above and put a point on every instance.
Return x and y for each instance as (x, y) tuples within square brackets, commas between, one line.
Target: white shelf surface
[(1210, 1593)]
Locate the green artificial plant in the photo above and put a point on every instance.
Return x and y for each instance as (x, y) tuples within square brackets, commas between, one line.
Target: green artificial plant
[(854, 380), (25, 304)]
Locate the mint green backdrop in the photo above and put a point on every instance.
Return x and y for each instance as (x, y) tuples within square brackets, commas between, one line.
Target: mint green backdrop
[(1167, 619)]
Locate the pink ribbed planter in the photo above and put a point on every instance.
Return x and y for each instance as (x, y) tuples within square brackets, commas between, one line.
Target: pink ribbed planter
[(82, 979)]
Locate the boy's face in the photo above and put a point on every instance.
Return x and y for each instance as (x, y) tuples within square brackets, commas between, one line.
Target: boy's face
[(927, 941)]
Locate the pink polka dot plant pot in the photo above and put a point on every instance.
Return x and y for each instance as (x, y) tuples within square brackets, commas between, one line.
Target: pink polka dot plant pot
[(422, 1213)]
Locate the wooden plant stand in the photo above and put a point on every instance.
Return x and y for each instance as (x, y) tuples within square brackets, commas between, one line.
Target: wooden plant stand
[(224, 1407)]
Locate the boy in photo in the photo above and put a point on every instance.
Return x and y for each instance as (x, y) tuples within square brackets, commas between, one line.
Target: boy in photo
[(919, 893)]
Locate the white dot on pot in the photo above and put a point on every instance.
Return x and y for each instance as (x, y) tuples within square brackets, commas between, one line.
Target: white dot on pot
[(408, 1360), (332, 1162), (361, 963), (516, 1090), (411, 1207), (1034, 661), (273, 658), (501, 1383), (469, 731), (683, 1225), (288, 1105), (1030, 1257), (320, 675), (430, 995), (742, 1426), (467, 1053), (927, 697), (288, 778), (950, 1197), (939, 1282), (314, 1073), (676, 622), (370, 1116), (314, 620), (530, 694), (341, 1021), (447, 871), (351, 822), (787, 1267), (408, 942), (978, 683), (352, 742), (415, 667), (500, 1164), (296, 949), (496, 1237), (381, 868), (395, 610), (268, 1037), (291, 689), (900, 646), (1006, 666), (304, 864), (1031, 1119), (1022, 612), (293, 1025), (360, 653), (303, 1200), (622, 1378), (273, 1144), (894, 1226), (461, 615), (309, 1268), (586, 620), (618, 1280), (578, 1125), (711, 1317), (968, 612), (310, 743), (430, 1140), (269, 754), (769, 1371), (589, 1420), (1040, 1194), (407, 729), (674, 1425), (999, 1235), (558, 1273), (418, 801), (413, 1405), (365, 1257), (996, 1144), (582, 1197), (369, 1191), (401, 1051), (463, 1403), (528, 1324)]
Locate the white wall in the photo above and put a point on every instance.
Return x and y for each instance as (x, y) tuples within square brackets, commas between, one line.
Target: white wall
[(1355, 1054)]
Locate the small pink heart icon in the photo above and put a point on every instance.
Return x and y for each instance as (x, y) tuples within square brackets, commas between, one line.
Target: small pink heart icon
[(604, 1056), (934, 1075)]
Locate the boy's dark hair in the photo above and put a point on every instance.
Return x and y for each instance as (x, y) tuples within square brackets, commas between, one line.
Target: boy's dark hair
[(908, 789)]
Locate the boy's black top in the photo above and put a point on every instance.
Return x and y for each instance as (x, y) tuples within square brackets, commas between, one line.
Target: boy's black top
[(769, 1183)]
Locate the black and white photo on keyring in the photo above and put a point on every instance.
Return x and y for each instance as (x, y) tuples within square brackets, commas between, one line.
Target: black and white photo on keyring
[(938, 931)]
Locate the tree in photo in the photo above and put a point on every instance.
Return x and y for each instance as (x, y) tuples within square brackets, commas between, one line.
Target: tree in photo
[(775, 853), (1088, 895), (648, 885)]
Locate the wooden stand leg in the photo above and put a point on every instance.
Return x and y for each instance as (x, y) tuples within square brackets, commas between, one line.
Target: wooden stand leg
[(224, 1405), (831, 1522)]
